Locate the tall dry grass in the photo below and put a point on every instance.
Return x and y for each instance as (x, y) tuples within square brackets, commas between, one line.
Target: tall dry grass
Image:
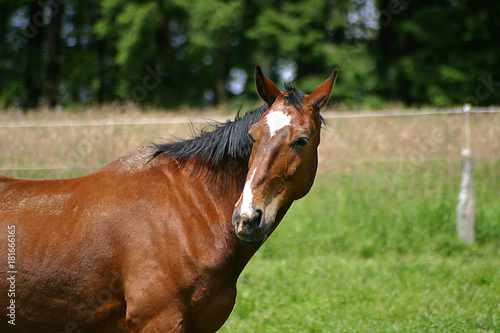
[(345, 141)]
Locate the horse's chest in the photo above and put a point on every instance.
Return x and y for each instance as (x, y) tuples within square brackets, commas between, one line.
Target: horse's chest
[(211, 307)]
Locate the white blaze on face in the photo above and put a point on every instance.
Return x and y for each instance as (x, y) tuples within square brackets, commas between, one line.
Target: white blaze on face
[(247, 199), (277, 120)]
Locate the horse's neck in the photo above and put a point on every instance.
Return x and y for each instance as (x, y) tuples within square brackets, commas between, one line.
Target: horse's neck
[(226, 187), (219, 188)]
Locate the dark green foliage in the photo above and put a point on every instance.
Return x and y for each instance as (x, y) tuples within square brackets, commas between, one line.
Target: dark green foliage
[(439, 52), (168, 53)]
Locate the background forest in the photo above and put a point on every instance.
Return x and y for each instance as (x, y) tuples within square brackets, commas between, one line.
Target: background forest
[(173, 53)]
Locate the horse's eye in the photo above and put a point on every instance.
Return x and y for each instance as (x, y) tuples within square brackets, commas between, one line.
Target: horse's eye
[(300, 142)]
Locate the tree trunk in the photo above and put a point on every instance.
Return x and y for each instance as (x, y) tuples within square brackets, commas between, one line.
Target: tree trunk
[(222, 66), (103, 90), (34, 55), (52, 69)]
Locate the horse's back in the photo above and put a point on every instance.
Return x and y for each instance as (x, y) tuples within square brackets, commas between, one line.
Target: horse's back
[(23, 199)]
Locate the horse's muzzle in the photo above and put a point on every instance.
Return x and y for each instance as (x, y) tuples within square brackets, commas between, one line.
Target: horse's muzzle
[(250, 228)]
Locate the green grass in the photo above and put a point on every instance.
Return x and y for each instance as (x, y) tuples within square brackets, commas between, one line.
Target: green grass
[(375, 250), (395, 293)]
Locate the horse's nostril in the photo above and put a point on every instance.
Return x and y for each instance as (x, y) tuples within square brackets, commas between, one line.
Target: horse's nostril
[(253, 222), (258, 217)]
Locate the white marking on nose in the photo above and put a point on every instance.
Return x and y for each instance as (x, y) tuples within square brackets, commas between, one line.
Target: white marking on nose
[(277, 120), (247, 200)]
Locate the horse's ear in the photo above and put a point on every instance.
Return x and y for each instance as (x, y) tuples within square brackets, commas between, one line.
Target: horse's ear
[(320, 96), (265, 87)]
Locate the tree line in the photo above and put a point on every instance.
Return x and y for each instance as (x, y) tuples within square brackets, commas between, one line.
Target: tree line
[(168, 53)]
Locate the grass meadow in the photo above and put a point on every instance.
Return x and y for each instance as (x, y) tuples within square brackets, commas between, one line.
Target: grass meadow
[(371, 248)]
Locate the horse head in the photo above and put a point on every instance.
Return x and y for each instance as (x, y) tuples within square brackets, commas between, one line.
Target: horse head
[(284, 157)]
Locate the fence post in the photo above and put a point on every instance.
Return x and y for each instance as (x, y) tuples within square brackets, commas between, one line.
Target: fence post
[(466, 203)]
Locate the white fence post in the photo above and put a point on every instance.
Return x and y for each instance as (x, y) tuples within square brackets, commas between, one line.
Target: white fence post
[(466, 202)]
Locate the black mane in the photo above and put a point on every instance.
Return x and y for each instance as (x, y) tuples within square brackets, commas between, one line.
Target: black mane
[(215, 142), (295, 96), (228, 139)]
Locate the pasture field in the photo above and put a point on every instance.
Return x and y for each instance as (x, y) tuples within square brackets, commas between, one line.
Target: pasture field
[(360, 254), (372, 247)]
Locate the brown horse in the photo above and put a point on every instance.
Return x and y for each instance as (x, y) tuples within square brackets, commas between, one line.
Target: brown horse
[(146, 244)]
